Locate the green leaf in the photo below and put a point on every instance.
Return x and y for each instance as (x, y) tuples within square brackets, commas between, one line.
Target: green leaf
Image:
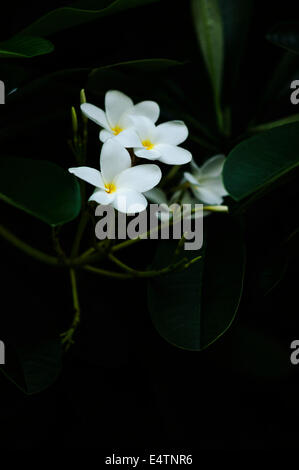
[(33, 368), (145, 65), (40, 188), (270, 125), (209, 29), (285, 35), (25, 47), (147, 74), (192, 309), (272, 271), (236, 18), (67, 17), (258, 162)]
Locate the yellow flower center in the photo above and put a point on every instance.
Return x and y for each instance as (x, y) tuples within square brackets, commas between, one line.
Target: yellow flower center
[(116, 130), (110, 188), (147, 144)]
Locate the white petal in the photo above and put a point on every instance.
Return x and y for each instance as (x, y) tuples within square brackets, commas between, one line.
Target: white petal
[(207, 190), (141, 178), (172, 132), (148, 154), (196, 170), (129, 201), (96, 114), (207, 196), (105, 135), (190, 178), (149, 109), (213, 167), (173, 155), (113, 160), (128, 138), (117, 104), (156, 195), (145, 128), (90, 175), (101, 197), (214, 184)]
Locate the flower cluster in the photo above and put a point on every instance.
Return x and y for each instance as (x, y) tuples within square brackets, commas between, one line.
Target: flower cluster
[(129, 132)]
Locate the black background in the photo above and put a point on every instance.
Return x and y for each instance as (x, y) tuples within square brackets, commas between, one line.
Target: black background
[(122, 386)]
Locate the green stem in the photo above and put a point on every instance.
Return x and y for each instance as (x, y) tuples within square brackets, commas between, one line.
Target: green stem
[(67, 336), (151, 273), (104, 272), (44, 257), (56, 244), (80, 231), (213, 209), (29, 250), (132, 273), (218, 111)]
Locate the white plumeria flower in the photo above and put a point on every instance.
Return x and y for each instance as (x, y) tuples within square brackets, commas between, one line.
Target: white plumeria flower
[(161, 142), (118, 183), (206, 181), (115, 120), (182, 198)]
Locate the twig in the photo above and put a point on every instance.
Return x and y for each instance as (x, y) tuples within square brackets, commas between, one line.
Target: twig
[(67, 336)]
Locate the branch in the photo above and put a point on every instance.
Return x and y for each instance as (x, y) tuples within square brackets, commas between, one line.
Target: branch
[(28, 249), (134, 273), (67, 336)]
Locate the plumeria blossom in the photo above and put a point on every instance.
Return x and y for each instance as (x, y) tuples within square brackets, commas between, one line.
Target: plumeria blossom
[(206, 181), (180, 197), (161, 142), (119, 184), (116, 121)]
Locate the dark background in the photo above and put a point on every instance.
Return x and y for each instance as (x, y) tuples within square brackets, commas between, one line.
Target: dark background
[(122, 386)]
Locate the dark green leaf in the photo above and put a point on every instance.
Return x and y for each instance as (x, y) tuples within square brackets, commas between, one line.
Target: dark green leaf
[(146, 65), (236, 18), (272, 271), (209, 29), (192, 309), (270, 125), (40, 188), (147, 74), (260, 161), (33, 368), (25, 47), (285, 35), (67, 17)]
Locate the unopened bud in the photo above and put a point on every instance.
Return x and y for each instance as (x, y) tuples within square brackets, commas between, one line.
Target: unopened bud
[(74, 120), (82, 96)]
